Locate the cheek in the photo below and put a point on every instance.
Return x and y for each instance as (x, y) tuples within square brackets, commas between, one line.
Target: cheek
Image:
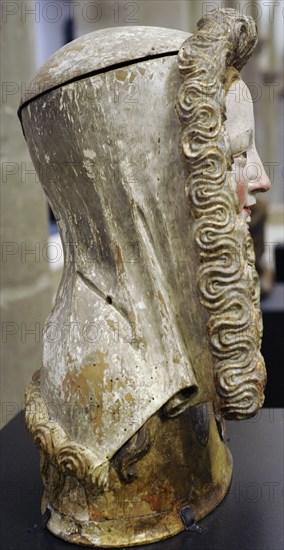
[(242, 192), (241, 184)]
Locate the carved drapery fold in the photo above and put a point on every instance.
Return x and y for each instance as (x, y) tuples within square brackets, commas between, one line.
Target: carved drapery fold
[(68, 456)]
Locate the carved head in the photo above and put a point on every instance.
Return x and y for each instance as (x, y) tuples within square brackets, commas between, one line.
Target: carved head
[(151, 229)]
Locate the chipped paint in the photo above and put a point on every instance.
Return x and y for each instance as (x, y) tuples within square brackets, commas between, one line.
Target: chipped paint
[(121, 74), (95, 51), (119, 260)]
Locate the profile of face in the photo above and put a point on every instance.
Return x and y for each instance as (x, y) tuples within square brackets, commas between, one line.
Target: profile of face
[(250, 175)]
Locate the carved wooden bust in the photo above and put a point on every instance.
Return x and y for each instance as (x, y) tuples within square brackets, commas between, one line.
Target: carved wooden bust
[(143, 149)]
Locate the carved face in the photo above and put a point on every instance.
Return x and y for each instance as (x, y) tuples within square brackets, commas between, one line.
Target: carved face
[(249, 172)]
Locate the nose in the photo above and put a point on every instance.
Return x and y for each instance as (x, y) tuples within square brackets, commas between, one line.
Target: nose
[(258, 180)]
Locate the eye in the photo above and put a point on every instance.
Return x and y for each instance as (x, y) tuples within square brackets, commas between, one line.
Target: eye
[(241, 157)]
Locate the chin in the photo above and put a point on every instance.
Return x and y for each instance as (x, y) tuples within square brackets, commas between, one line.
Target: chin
[(245, 216)]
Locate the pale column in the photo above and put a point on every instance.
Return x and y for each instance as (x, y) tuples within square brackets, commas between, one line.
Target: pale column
[(26, 291)]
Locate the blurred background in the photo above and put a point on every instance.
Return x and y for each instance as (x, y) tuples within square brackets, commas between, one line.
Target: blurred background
[(31, 253)]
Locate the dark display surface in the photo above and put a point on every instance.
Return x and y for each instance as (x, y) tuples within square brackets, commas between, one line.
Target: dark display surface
[(272, 344), (250, 517)]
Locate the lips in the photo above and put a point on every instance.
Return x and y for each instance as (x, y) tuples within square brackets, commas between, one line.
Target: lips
[(246, 212), (248, 207)]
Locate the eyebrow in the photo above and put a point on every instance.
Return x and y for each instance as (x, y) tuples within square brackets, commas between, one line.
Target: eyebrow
[(242, 141)]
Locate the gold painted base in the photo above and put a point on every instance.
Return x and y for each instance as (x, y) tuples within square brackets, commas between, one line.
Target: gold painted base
[(187, 464)]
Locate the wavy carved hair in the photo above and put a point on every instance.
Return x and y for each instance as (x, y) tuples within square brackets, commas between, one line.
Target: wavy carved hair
[(209, 61)]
